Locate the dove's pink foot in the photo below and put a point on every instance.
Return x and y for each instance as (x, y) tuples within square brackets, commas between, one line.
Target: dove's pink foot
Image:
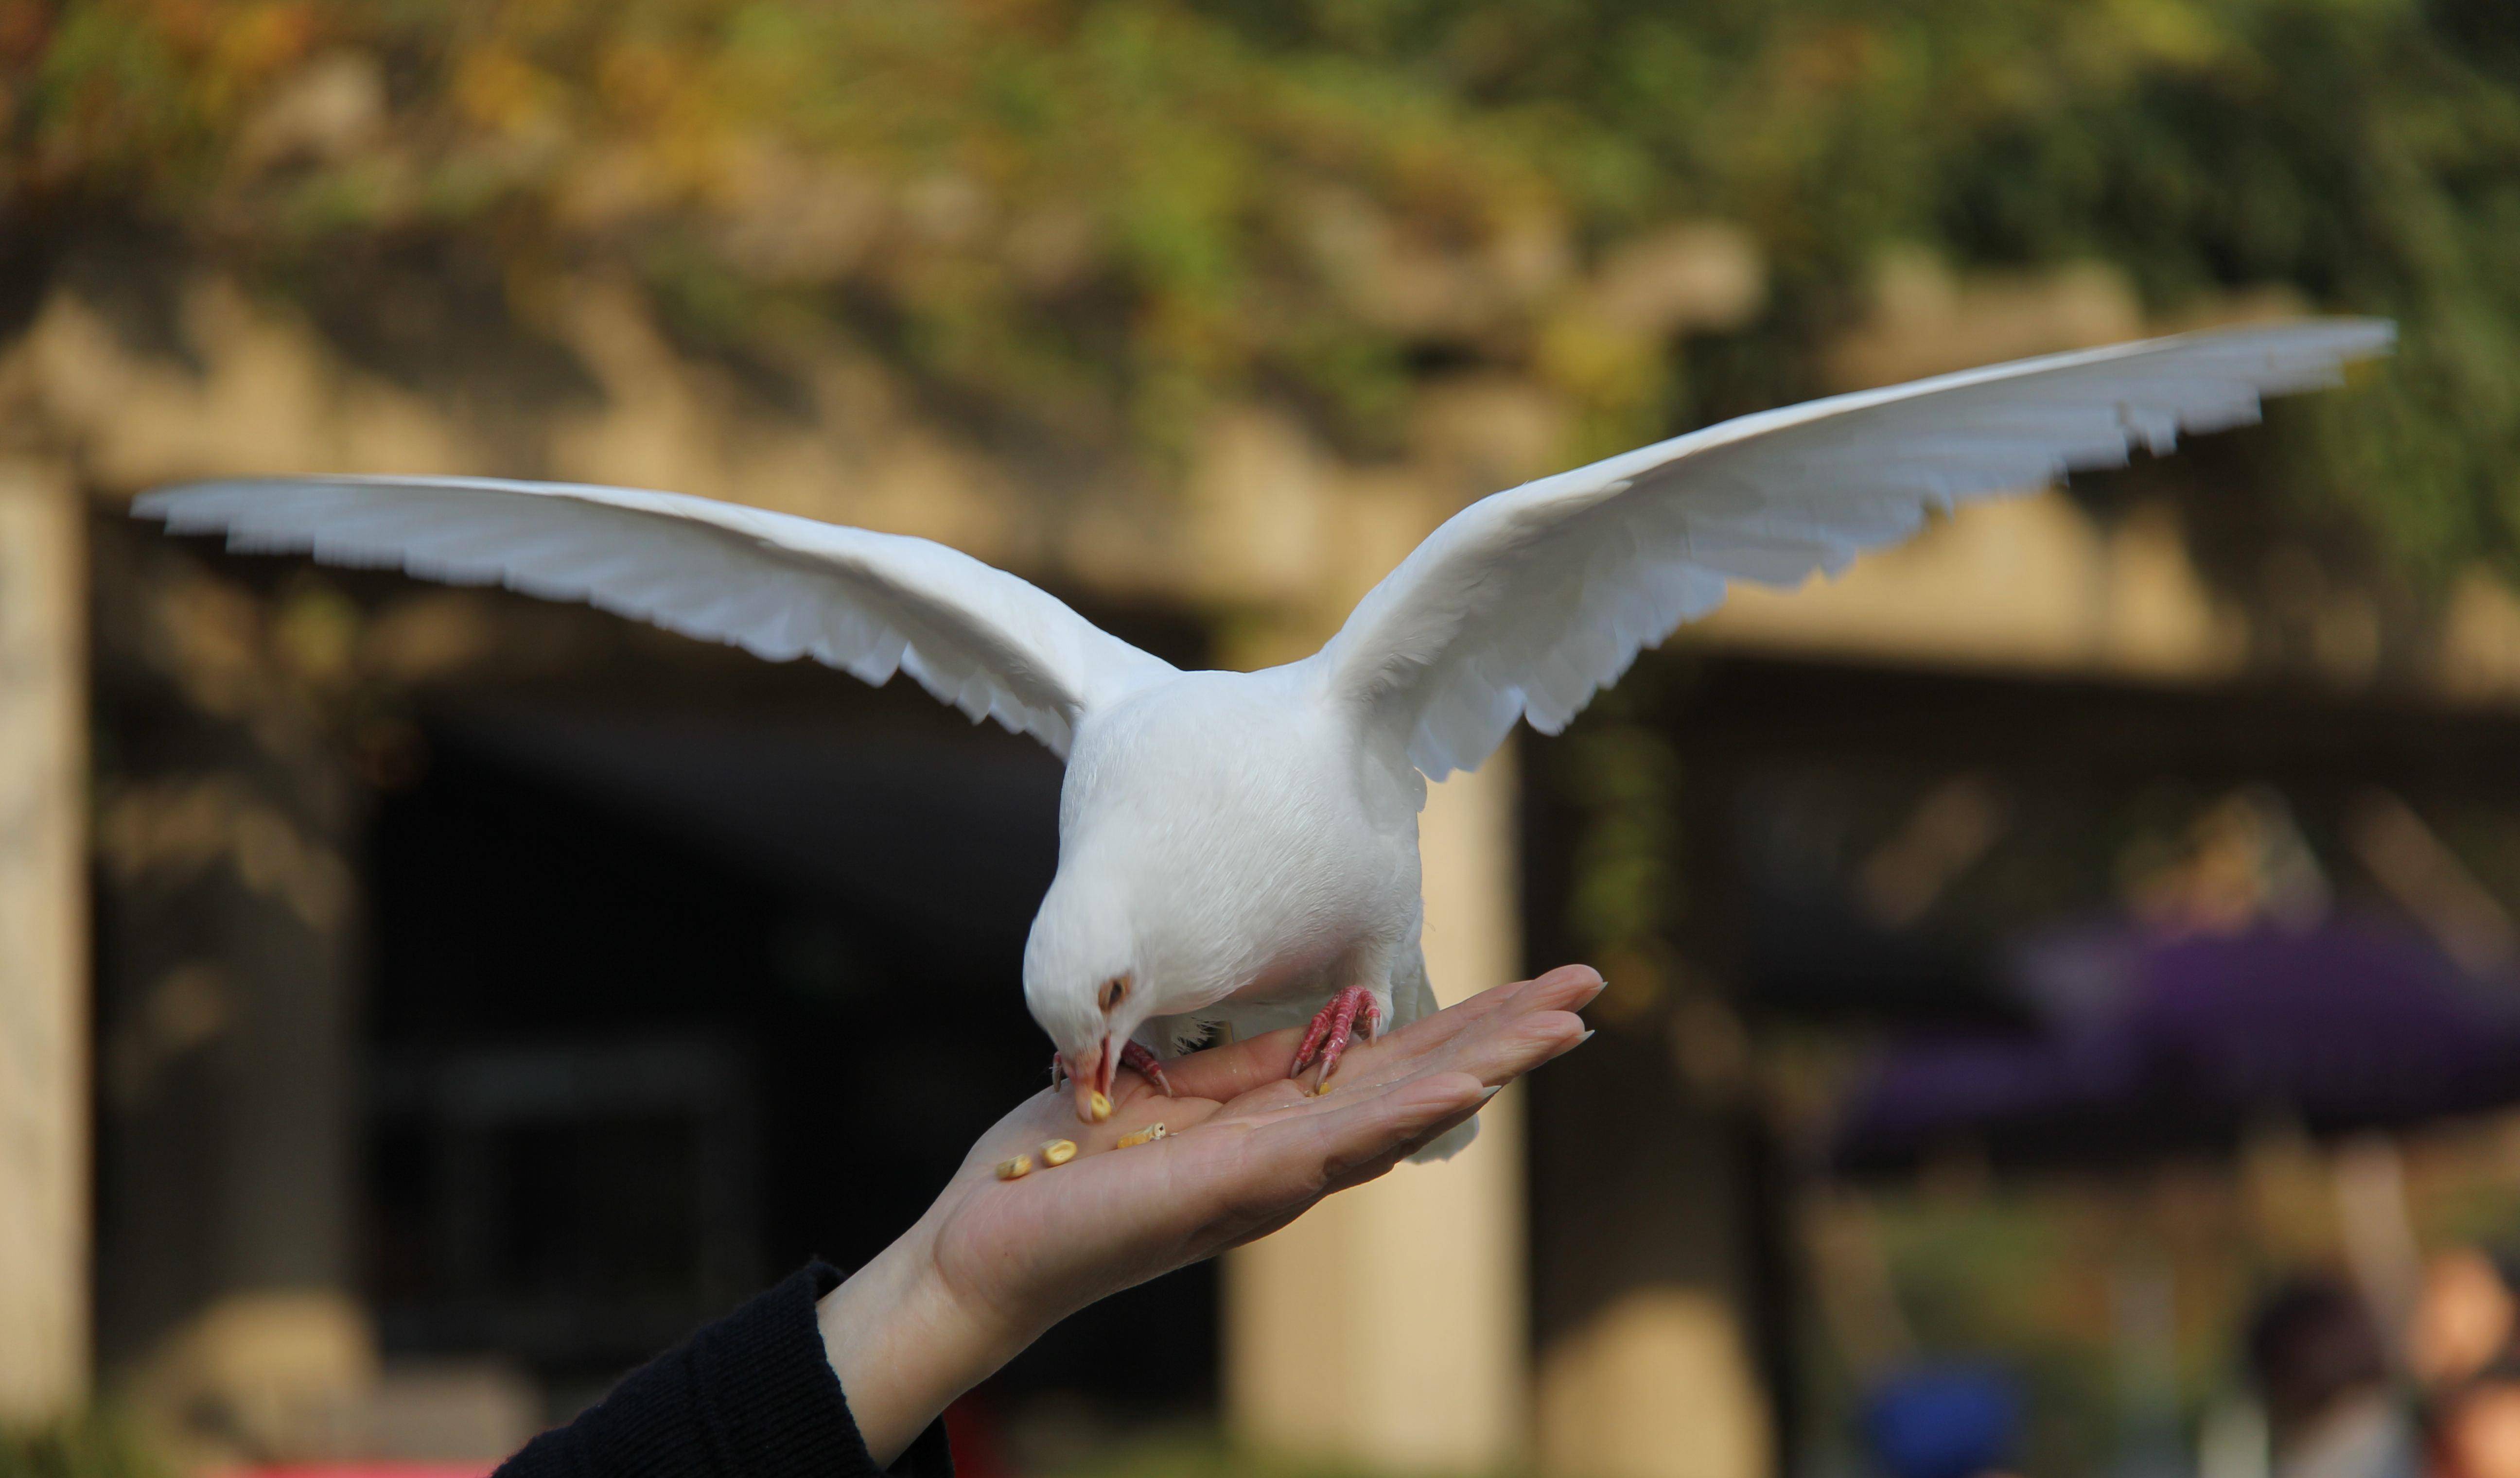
[(1137, 1057), (1146, 1065), (1331, 1028)]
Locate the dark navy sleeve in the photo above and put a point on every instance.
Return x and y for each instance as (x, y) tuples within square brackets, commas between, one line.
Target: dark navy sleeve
[(750, 1396)]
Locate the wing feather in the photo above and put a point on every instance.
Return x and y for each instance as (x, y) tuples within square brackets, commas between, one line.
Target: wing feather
[(777, 586), (1526, 603)]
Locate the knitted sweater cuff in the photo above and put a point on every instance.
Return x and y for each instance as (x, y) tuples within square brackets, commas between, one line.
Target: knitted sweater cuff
[(750, 1395)]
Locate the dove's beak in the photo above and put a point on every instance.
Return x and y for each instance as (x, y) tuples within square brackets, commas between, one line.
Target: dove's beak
[(1091, 1071)]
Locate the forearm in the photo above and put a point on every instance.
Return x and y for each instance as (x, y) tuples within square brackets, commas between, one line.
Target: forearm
[(904, 1346)]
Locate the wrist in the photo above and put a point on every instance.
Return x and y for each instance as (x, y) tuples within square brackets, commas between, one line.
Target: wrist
[(904, 1345)]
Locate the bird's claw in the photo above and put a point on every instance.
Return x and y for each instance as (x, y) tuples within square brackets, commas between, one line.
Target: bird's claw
[(1135, 1057), (1339, 1019), (1142, 1060)]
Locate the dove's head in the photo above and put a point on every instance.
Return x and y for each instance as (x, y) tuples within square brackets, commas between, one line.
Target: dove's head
[(1083, 983)]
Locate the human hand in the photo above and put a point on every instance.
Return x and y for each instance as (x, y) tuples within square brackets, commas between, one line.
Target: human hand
[(995, 1263)]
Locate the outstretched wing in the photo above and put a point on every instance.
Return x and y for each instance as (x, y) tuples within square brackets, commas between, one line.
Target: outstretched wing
[(1528, 602), (777, 586)]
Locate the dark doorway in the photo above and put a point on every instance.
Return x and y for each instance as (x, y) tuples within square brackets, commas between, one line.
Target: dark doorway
[(684, 974)]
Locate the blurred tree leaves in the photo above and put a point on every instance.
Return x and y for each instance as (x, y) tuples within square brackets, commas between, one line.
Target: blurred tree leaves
[(1086, 221), (86, 1445)]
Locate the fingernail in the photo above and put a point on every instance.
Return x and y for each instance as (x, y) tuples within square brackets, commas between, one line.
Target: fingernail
[(1491, 1092), (1587, 1035)]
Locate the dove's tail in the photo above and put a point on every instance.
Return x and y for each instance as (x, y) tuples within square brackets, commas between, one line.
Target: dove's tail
[(1445, 1145), (1412, 997)]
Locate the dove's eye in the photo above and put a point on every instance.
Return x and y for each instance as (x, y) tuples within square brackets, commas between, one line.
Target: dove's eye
[(1114, 991)]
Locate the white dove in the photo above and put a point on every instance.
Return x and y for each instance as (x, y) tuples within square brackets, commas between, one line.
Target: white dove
[(1242, 847)]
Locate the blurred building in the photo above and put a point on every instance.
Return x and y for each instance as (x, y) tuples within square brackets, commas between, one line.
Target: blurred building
[(424, 1003)]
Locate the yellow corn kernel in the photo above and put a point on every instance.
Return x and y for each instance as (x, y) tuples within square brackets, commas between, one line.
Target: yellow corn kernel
[(1098, 1108), (1138, 1137), (1058, 1151), (1014, 1169)]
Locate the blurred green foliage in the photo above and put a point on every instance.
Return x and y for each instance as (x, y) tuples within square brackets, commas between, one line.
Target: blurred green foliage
[(1621, 773), (1079, 222), (95, 1444)]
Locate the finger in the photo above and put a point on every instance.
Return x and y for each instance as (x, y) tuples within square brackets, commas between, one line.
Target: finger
[(1228, 1072), (1505, 1051), (1429, 1040), (1237, 1067), (1402, 1052), (1497, 1047), (1231, 1073), (1297, 1159), (1235, 1184), (1444, 1127), (1567, 988), (1495, 1052), (1274, 1153)]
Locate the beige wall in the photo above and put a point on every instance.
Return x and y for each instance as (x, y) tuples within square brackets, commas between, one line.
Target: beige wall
[(1660, 1384), (43, 945), (2031, 584), (1386, 1327)]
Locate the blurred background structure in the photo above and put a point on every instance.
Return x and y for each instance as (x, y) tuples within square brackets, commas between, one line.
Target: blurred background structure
[(2063, 1009)]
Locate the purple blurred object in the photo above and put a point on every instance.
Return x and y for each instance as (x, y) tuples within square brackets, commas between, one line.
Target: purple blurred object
[(2154, 1047)]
